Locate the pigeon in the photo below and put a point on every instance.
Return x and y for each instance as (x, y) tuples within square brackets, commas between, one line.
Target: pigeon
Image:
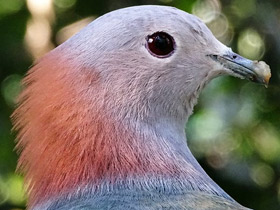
[(100, 120)]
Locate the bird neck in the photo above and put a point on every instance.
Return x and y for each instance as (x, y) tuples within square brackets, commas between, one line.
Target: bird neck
[(70, 139)]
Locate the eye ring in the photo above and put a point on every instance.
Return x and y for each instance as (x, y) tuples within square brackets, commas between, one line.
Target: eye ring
[(160, 44)]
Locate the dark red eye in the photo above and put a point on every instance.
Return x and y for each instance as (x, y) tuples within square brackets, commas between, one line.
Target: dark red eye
[(160, 44)]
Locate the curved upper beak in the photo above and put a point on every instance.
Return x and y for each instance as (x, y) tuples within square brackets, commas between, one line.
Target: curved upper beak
[(256, 71)]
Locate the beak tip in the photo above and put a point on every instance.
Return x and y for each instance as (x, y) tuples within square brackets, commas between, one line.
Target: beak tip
[(266, 81), (262, 70)]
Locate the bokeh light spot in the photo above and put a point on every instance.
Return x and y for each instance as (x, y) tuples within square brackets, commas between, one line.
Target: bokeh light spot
[(244, 9), (207, 10), (64, 4), (216, 160), (10, 88), (16, 190), (12, 190), (10, 6), (267, 143), (250, 44), (220, 28), (207, 125), (39, 7), (37, 37), (262, 174)]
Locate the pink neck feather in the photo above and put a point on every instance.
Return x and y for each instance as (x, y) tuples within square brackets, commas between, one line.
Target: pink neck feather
[(67, 137)]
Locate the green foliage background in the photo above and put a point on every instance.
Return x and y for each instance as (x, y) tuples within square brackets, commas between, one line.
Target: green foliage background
[(235, 131)]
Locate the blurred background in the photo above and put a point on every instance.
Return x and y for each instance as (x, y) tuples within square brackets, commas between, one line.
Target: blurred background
[(235, 132)]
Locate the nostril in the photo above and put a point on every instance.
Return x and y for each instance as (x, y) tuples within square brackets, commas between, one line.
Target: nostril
[(234, 56)]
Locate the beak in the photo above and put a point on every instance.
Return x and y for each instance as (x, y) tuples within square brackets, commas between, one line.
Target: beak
[(256, 71)]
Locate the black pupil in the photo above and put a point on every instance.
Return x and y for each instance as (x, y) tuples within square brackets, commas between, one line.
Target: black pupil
[(160, 44)]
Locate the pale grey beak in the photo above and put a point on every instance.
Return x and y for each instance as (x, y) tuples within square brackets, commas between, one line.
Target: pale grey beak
[(256, 71)]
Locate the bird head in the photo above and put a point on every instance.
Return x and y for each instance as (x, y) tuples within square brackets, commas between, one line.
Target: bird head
[(157, 59)]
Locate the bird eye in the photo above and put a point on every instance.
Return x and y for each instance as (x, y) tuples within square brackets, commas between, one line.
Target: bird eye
[(160, 44)]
